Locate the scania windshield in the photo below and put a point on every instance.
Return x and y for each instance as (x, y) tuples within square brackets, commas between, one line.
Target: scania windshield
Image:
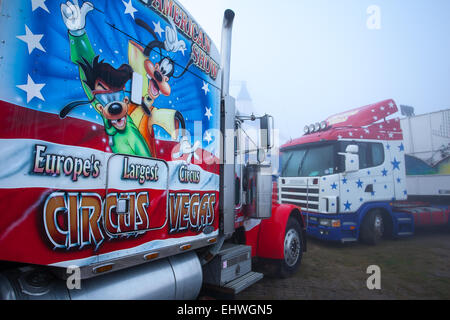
[(309, 161)]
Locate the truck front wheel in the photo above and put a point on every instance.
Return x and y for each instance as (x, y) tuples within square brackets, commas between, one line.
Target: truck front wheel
[(372, 228), (293, 250)]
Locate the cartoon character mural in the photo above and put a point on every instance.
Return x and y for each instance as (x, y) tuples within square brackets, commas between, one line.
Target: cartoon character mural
[(158, 75), (129, 125), (76, 138)]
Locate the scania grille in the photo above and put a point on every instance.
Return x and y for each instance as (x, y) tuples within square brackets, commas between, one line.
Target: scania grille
[(307, 198)]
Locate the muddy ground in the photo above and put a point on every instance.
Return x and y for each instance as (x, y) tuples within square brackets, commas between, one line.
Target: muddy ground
[(417, 267)]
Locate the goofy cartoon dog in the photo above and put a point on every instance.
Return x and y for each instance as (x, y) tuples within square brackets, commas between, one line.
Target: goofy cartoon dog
[(157, 76)]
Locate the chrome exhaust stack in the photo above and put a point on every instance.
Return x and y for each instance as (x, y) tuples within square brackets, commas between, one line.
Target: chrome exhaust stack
[(227, 30), (227, 125)]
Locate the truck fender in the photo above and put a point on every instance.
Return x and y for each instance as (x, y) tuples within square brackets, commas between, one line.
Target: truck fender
[(272, 231), (385, 209)]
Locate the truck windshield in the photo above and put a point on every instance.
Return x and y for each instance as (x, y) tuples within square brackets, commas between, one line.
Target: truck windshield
[(309, 161)]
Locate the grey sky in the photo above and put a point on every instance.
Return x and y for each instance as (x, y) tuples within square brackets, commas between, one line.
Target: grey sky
[(304, 60)]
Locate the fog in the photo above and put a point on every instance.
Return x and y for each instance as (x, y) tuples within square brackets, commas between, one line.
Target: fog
[(304, 60)]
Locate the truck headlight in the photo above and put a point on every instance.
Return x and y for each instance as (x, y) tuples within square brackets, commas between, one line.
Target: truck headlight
[(325, 222), (335, 223)]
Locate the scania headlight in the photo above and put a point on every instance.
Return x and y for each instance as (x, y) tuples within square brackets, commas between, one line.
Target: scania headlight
[(325, 222)]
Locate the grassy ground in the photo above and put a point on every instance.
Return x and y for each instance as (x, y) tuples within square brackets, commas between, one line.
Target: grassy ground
[(417, 267)]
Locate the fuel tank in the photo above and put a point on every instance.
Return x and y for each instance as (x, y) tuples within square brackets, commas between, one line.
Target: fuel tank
[(175, 278)]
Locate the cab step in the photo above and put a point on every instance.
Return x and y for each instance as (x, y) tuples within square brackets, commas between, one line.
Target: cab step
[(231, 289), (238, 285), (230, 272)]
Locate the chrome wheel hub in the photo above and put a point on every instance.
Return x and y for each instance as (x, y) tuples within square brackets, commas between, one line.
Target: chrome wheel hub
[(292, 246)]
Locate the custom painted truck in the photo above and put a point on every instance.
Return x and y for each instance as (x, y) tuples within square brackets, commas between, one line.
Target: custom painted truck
[(123, 164), (353, 180)]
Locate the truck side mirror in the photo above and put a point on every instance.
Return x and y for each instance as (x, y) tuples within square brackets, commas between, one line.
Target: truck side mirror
[(266, 126), (351, 158)]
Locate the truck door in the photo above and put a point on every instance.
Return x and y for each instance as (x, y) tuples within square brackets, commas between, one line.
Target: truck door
[(136, 195)]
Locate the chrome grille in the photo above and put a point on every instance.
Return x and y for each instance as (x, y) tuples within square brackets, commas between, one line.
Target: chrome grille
[(305, 197)]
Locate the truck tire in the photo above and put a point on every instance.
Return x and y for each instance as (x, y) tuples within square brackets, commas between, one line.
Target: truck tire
[(372, 228), (293, 250)]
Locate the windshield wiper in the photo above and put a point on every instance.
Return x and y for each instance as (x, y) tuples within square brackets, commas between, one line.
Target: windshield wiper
[(285, 165), (301, 162)]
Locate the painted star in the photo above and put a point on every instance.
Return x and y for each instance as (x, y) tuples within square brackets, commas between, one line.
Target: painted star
[(344, 181), (347, 206), (208, 113), (129, 9), (158, 28), (359, 183), (35, 4), (334, 186), (32, 40), (395, 164), (205, 87), (32, 89), (405, 192), (384, 172), (391, 105), (208, 137), (388, 147), (401, 147), (399, 180)]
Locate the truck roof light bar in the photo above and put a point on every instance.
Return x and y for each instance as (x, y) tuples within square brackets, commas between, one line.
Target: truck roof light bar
[(315, 127)]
